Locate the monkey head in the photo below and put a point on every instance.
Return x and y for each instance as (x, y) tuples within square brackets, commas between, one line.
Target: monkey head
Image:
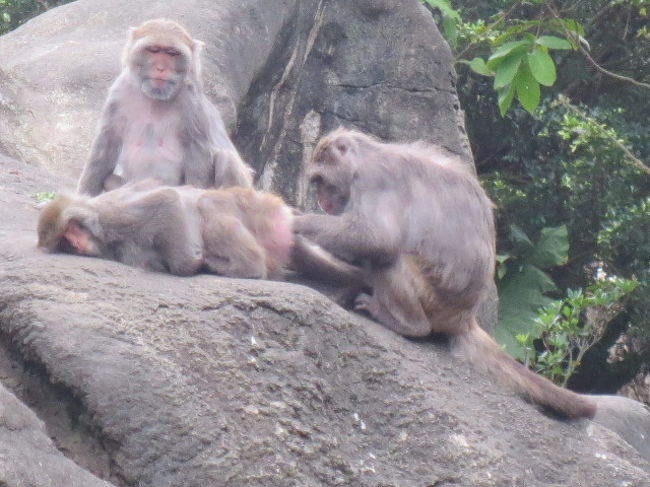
[(60, 228), (333, 169), (162, 55)]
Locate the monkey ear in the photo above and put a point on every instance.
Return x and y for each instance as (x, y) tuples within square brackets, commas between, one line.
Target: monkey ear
[(198, 46), (197, 49), (127, 47), (342, 146)]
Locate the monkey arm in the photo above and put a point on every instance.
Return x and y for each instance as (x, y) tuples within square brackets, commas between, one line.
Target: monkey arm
[(151, 228), (103, 158), (178, 238), (229, 167), (352, 239), (231, 170), (197, 162), (211, 159)]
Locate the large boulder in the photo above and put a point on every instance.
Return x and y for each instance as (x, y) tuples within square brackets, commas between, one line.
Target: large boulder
[(153, 380), (282, 72)]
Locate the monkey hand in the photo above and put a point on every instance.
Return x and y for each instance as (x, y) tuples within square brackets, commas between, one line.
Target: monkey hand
[(365, 302), (303, 225)]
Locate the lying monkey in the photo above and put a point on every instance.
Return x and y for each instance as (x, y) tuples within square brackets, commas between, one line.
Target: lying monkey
[(234, 232)]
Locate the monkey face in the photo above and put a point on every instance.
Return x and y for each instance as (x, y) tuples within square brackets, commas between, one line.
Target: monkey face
[(162, 70), (332, 198), (78, 240), (332, 172)]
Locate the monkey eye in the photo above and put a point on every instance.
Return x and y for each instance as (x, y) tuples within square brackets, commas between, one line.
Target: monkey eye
[(316, 179), (172, 52), (153, 49), (341, 147)]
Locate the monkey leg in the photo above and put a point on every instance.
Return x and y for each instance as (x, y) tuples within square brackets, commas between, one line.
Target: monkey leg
[(395, 302), (231, 250)]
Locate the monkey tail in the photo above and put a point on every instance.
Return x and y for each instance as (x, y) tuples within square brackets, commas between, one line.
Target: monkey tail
[(481, 350)]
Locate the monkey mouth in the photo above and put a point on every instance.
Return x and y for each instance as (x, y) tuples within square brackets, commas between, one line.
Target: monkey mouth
[(160, 81), (159, 89)]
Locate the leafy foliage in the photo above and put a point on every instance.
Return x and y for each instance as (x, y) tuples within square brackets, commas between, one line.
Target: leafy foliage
[(577, 160), (43, 197), (519, 61), (566, 331), (523, 284)]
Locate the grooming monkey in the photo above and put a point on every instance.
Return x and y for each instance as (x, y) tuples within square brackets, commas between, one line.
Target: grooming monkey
[(421, 229), (233, 232), (157, 121)]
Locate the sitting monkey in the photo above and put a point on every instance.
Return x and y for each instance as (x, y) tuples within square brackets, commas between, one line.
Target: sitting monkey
[(421, 229), (157, 121)]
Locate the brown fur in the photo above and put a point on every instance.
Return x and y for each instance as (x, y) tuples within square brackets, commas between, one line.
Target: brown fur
[(419, 223), (157, 121), (163, 31), (234, 232)]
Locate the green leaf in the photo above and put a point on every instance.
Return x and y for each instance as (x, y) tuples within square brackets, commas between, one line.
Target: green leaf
[(574, 26), (553, 42), (44, 196), (552, 249), (515, 30), (519, 237), (506, 70), (519, 299), (449, 26), (505, 49), (506, 94), (445, 7), (527, 88), (478, 66), (542, 66)]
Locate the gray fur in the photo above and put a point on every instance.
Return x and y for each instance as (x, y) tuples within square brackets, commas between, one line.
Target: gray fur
[(178, 138), (234, 232), (416, 219)]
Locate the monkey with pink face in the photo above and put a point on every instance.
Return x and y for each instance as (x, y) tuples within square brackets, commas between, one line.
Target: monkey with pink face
[(233, 232), (419, 227), (157, 121)]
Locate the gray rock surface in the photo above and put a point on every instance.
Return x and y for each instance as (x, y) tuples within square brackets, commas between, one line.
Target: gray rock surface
[(153, 380), (281, 71), (28, 456)]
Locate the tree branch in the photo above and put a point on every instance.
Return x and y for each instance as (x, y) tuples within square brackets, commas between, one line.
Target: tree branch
[(591, 60), (637, 162)]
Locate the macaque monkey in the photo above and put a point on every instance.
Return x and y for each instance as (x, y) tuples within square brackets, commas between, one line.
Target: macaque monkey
[(233, 232), (420, 227), (158, 123)]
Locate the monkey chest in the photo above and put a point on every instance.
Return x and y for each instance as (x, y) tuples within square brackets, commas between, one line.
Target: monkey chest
[(152, 148)]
